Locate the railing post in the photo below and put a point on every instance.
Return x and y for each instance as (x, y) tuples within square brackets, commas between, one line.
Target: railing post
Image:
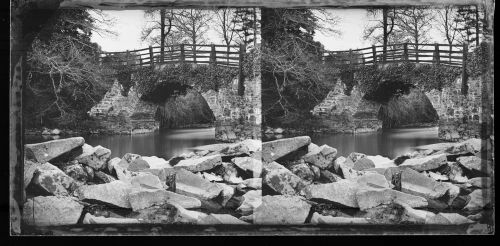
[(151, 56), (182, 53), (213, 58), (194, 53), (350, 57), (405, 51), (436, 54), (416, 53), (128, 57), (374, 50), (464, 70), (241, 78)]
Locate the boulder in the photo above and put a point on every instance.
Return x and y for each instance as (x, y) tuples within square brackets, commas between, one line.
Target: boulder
[(249, 164), (229, 173), (95, 157), (187, 216), (369, 198), (342, 192), (77, 172), (479, 199), (168, 214), (51, 211), (373, 180), (212, 177), (30, 168), (316, 171), (475, 164), (354, 156), (114, 193), (147, 181), (141, 199), (136, 165), (416, 216), (52, 180), (329, 177), (254, 183), (281, 180), (273, 150), (200, 164), (426, 163), (455, 173), (227, 193), (322, 219), (91, 219), (282, 210), (190, 184), (221, 219), (321, 157), (415, 183), (380, 161), (449, 219), (303, 171), (363, 163), (101, 177), (46, 151), (112, 163), (480, 182), (156, 162), (248, 147), (251, 201), (437, 176)]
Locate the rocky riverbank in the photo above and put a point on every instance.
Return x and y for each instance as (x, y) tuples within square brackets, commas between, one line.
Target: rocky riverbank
[(446, 183), (69, 182), (286, 181)]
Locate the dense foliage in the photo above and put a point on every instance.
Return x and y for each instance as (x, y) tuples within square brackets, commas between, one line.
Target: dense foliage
[(64, 78), (294, 79), (478, 60)]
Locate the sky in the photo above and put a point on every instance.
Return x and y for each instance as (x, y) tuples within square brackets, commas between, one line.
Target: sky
[(129, 23)]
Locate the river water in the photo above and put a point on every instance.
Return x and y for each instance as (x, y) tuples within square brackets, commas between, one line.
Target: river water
[(162, 143), (389, 142), (168, 143)]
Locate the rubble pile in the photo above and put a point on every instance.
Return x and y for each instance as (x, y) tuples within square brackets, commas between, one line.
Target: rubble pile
[(70, 182), (445, 183)]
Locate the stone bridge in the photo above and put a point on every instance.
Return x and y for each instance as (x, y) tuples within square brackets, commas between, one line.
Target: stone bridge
[(459, 115), (236, 117)]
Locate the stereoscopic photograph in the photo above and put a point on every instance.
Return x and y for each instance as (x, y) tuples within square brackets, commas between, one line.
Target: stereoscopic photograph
[(243, 118)]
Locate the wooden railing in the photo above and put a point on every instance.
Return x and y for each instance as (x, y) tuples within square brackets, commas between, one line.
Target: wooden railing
[(213, 54), (451, 55), (221, 55)]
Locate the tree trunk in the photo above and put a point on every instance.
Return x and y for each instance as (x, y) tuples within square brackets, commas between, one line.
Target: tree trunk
[(162, 35), (384, 16)]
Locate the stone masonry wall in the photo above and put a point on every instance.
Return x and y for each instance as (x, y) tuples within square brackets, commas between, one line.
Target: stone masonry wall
[(124, 114), (459, 115), (236, 118), (346, 113)]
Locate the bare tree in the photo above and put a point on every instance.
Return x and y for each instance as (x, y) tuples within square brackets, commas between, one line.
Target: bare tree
[(160, 20), (193, 24), (448, 27), (415, 23), (226, 26), (386, 25)]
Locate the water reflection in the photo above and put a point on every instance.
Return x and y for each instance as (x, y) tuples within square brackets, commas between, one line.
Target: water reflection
[(389, 143), (163, 143)]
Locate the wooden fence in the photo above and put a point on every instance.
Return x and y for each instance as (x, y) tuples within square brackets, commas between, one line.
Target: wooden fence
[(451, 55), (213, 54), (221, 55)]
